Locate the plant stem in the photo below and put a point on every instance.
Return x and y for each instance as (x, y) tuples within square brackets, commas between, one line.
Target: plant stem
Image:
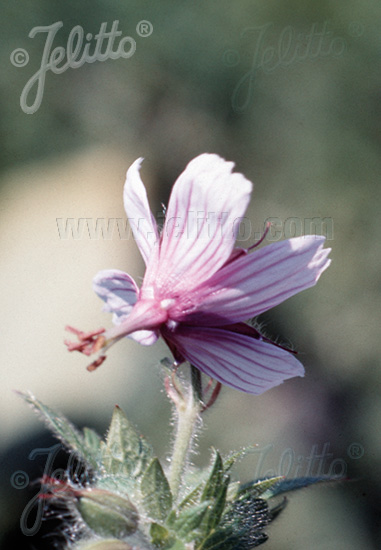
[(188, 414)]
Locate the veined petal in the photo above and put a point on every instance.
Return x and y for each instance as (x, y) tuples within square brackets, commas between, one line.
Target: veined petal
[(119, 292), (237, 360), (205, 208), (145, 315), (257, 282), (138, 212), (117, 289)]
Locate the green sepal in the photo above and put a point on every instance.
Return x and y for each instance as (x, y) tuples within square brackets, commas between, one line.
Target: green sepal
[(155, 491), (125, 451)]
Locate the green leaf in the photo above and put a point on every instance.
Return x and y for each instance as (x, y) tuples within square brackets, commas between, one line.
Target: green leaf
[(191, 498), (190, 519), (156, 493), (64, 429), (215, 480), (214, 513), (215, 491), (126, 451), (160, 536), (163, 539)]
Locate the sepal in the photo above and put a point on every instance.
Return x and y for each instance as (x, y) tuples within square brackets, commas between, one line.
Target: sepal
[(108, 514)]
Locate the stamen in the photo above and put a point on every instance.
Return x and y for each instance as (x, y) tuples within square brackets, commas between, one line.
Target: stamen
[(89, 342), (97, 363)]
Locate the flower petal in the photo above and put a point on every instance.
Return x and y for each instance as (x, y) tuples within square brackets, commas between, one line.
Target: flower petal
[(119, 292), (237, 360), (144, 337), (138, 212), (205, 208), (256, 282)]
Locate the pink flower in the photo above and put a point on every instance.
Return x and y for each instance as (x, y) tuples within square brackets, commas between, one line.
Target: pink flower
[(198, 289)]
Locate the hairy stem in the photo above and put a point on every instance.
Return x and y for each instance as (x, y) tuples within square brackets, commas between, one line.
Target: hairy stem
[(188, 414)]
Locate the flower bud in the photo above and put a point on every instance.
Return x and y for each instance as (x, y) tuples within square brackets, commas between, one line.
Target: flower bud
[(108, 514)]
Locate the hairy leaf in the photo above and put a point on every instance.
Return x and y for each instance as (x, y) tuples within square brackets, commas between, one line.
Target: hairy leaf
[(190, 519), (64, 429)]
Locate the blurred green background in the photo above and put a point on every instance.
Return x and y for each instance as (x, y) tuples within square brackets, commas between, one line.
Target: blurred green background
[(290, 91)]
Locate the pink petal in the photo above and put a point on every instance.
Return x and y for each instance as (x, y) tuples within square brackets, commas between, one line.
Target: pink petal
[(256, 282), (237, 360), (202, 221), (119, 292), (117, 289), (138, 212)]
